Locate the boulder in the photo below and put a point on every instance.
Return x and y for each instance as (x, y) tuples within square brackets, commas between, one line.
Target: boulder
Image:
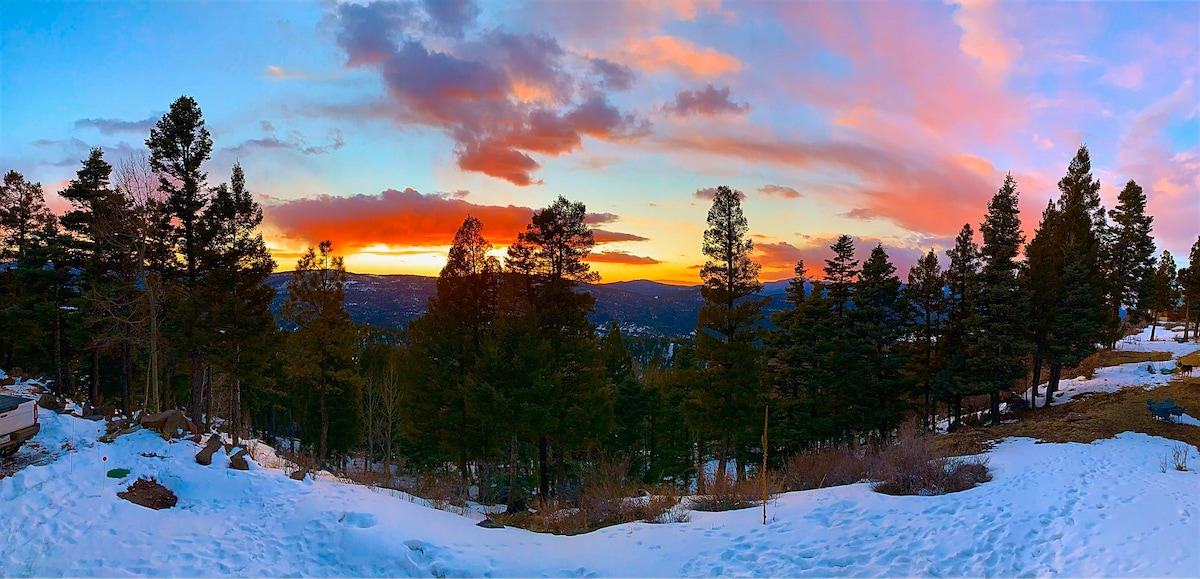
[(204, 457), (488, 523), (238, 460), (299, 474), (50, 402), (169, 423)]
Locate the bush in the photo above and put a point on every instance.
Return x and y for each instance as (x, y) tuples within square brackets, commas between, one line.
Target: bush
[(726, 495), (1176, 459), (909, 466), (824, 467), (606, 497)]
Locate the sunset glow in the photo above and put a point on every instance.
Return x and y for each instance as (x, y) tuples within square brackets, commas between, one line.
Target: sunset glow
[(381, 125)]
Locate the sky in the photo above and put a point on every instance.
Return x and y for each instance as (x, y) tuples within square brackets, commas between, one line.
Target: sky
[(382, 125)]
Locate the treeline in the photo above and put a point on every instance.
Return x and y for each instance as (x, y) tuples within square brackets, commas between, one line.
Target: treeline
[(151, 293)]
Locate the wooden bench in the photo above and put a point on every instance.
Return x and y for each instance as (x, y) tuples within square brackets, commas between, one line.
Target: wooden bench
[(1166, 411)]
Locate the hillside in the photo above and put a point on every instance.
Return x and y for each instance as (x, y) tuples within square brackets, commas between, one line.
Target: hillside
[(642, 307)]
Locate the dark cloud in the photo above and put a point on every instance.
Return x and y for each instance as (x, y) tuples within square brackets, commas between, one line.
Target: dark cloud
[(621, 257), (296, 143), (708, 101), (501, 97), (451, 17), (780, 191), (603, 236), (613, 75), (710, 193), (114, 126)]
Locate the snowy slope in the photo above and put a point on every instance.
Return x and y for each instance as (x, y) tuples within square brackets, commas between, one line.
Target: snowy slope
[(1053, 509)]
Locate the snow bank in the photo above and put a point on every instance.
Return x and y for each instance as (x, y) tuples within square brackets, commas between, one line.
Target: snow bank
[(1053, 509)]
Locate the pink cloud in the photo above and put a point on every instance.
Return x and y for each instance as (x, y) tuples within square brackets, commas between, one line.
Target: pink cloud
[(679, 56)]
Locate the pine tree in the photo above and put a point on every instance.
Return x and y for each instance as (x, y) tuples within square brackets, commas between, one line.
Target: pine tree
[(840, 274), (995, 340), (631, 403), (236, 294), (322, 349), (1131, 256), (26, 223), (1072, 262), (962, 283), (1165, 293), (1189, 283), (725, 332), (179, 145), (878, 329), (926, 301)]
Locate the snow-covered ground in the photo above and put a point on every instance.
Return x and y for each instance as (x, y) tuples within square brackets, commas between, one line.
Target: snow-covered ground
[(1100, 509), (1146, 374)]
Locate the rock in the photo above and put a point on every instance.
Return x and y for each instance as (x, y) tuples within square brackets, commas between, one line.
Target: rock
[(488, 523), (238, 460), (298, 475), (7, 381), (50, 402), (204, 457), (169, 423)]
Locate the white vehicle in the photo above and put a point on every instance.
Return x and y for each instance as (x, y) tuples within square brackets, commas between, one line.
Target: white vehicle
[(18, 422)]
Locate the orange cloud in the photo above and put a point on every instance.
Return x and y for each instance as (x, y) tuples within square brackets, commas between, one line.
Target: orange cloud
[(779, 259), (983, 39), (402, 219), (679, 56)]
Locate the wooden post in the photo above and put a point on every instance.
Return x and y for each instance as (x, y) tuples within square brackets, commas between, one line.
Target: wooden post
[(763, 474)]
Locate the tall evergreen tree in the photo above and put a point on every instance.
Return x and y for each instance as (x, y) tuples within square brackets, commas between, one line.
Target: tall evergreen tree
[(26, 226), (23, 214), (840, 274), (1132, 257), (1189, 283), (237, 296), (179, 145), (1072, 270), (725, 332), (322, 349), (879, 327), (962, 283), (996, 333), (1165, 293), (926, 300)]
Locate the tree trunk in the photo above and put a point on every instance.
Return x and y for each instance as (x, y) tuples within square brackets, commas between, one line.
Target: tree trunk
[(236, 423), (543, 465), (126, 373), (1052, 385), (94, 390), (701, 477), (323, 445), (724, 459), (995, 400), (1037, 378), (1153, 324), (197, 372), (58, 365), (513, 455)]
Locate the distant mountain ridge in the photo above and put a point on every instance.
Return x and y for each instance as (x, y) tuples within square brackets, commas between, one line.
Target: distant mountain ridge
[(641, 307)]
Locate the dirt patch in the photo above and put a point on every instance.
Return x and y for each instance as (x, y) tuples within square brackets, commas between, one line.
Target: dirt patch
[(1103, 415), (149, 493), (1192, 359)]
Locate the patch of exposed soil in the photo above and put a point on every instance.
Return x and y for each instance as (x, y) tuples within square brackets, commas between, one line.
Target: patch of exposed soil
[(149, 493)]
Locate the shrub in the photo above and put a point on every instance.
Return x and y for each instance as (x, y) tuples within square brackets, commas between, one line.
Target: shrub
[(606, 497), (727, 495), (1175, 459), (909, 466), (824, 467)]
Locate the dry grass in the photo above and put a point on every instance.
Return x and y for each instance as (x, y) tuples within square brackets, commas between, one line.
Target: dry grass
[(1099, 416), (1192, 359), (1087, 368)]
